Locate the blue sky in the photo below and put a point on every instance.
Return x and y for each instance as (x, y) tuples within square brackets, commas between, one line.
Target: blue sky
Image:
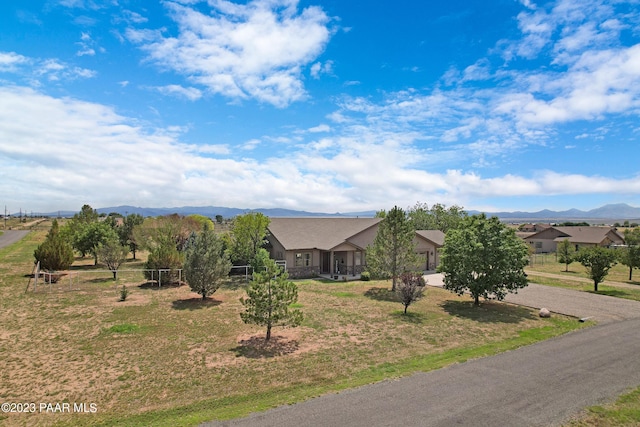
[(321, 106)]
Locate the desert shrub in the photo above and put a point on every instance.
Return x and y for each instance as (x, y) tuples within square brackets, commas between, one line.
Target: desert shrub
[(124, 292)]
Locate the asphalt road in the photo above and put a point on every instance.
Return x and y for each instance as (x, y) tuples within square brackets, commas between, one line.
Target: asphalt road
[(11, 236), (539, 385)]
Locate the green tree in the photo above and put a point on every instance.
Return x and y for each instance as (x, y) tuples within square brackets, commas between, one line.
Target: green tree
[(597, 260), (483, 257), (219, 219), (86, 215), (164, 257), (55, 253), (270, 296), (112, 254), (165, 231), (410, 289), (565, 253), (201, 220), (126, 233), (206, 263), (248, 234), (91, 236), (631, 254), (75, 229), (393, 249), (438, 217)]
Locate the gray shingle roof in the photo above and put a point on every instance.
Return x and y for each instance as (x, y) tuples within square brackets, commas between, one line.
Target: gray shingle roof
[(317, 233), (434, 236), (592, 235)]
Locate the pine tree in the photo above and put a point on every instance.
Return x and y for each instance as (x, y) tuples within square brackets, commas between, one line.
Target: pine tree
[(54, 253), (393, 249), (270, 295), (206, 264)]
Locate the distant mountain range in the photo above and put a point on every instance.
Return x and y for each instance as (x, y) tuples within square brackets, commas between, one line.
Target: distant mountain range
[(613, 212), (212, 211)]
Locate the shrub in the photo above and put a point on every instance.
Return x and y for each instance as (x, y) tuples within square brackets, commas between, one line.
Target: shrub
[(54, 253), (124, 292), (164, 257), (365, 276)]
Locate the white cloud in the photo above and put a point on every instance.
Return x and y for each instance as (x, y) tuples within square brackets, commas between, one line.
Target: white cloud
[(9, 61), (252, 144), (319, 68), (599, 83), (256, 50), (190, 93), (109, 159), (320, 128)]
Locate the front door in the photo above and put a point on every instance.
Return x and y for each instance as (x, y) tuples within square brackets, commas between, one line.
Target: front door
[(326, 262)]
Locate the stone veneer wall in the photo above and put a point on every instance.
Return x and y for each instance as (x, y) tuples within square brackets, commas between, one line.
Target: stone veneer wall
[(303, 272)]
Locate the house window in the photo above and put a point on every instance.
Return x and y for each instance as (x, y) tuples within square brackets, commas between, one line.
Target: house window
[(358, 258), (303, 259), (538, 245)]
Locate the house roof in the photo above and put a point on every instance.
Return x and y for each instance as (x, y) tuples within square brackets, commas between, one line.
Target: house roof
[(593, 235), (434, 236), (317, 233)]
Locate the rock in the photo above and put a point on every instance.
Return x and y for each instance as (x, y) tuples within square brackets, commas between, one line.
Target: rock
[(544, 312)]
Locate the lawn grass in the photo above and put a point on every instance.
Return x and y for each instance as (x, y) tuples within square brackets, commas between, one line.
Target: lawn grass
[(164, 357), (547, 263), (625, 412)]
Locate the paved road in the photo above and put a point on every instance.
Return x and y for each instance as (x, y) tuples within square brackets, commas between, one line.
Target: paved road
[(538, 385), (11, 236)]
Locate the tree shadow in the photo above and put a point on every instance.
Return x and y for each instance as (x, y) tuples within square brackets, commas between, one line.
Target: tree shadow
[(488, 311), (257, 347), (381, 294), (153, 285), (410, 316), (100, 280), (234, 283), (611, 293), (196, 303)]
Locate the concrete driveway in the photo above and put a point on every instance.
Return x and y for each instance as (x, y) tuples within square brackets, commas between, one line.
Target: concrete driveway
[(601, 308), (538, 385)]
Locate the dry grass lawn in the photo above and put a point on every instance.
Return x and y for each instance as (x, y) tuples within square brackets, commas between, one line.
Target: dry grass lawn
[(164, 348)]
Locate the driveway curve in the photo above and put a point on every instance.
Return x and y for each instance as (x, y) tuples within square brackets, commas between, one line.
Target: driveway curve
[(601, 308), (9, 237), (543, 384)]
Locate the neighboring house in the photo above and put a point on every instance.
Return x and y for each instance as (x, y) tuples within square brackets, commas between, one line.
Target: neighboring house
[(428, 242), (312, 246), (547, 240), (533, 228)]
